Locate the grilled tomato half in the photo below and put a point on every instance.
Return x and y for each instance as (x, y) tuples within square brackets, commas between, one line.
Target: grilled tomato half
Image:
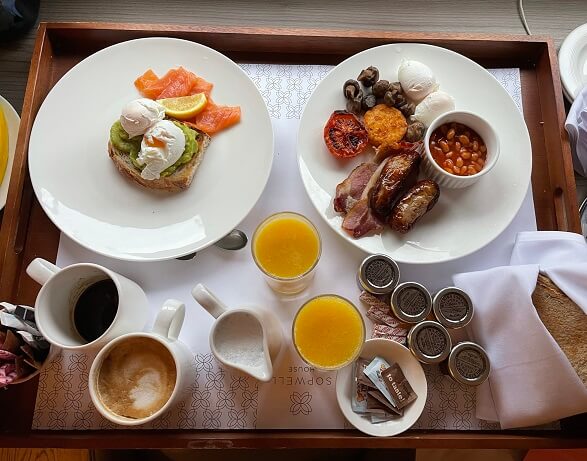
[(344, 135)]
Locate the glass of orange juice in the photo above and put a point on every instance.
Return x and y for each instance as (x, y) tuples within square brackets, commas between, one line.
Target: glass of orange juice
[(286, 247), (328, 332)]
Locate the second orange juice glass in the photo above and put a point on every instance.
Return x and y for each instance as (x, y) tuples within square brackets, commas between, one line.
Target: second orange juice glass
[(328, 332)]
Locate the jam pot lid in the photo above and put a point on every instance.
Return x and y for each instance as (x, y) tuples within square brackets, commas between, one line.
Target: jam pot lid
[(378, 274), (452, 307), (411, 302), (469, 364), (429, 341)]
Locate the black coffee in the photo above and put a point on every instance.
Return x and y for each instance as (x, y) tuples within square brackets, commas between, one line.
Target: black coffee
[(95, 309)]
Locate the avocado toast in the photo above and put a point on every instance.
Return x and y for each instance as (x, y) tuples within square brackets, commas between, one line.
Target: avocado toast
[(124, 151)]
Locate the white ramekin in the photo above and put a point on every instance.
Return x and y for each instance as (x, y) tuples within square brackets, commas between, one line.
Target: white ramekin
[(475, 122)]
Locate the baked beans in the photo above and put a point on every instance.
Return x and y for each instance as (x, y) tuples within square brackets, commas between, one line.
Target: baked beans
[(458, 149)]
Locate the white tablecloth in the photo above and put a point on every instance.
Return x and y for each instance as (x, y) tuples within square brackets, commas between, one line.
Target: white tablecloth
[(297, 397)]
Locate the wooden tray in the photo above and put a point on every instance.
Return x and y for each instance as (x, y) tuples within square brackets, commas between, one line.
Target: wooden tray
[(26, 231)]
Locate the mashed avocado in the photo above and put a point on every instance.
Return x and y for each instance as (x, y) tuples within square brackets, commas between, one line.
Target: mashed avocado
[(131, 146), (191, 147), (121, 141)]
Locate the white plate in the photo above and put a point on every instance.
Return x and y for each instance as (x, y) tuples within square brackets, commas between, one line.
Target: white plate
[(13, 122), (391, 352), (464, 220), (572, 60), (84, 195)]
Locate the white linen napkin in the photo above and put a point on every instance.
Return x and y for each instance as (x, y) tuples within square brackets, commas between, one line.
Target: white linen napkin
[(576, 126), (531, 380), (562, 257)]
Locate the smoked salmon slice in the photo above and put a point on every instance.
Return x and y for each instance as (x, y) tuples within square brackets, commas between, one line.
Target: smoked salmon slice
[(175, 83), (181, 82), (145, 81), (201, 86), (215, 118)]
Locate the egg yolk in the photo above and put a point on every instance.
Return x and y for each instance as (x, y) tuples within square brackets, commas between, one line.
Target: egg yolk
[(154, 142)]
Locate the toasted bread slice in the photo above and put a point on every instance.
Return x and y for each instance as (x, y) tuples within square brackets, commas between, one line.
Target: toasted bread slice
[(565, 321), (179, 180)]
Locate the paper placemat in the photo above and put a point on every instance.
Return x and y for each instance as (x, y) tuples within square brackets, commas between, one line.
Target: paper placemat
[(297, 397)]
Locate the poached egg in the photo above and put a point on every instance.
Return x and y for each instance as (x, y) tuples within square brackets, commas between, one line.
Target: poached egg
[(140, 115), (161, 147), (416, 79), (434, 105)]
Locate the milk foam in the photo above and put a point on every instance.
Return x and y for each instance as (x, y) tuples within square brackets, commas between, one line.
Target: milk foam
[(136, 378), (146, 391)]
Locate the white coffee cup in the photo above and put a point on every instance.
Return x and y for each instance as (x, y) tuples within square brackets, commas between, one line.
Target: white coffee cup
[(62, 288), (165, 331)]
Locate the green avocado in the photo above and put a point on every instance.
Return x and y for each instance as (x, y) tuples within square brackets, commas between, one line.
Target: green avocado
[(191, 147), (131, 146), (122, 142)]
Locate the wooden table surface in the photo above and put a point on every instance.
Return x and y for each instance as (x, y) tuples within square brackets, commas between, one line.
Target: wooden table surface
[(551, 17)]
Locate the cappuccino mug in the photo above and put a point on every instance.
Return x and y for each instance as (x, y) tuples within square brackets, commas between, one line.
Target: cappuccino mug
[(83, 306), (137, 377)]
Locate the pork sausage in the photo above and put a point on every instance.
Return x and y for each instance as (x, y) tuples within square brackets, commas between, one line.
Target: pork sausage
[(414, 204), (399, 173)]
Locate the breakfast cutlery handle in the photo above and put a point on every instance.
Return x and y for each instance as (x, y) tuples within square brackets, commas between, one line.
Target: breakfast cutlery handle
[(208, 301), (41, 270), (170, 319)]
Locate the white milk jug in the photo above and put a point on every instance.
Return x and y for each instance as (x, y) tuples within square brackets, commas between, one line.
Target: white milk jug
[(246, 339)]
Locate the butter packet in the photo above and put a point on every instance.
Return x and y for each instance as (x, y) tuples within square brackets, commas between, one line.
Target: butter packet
[(373, 372), (379, 317), (398, 386), (397, 334), (359, 390), (376, 419), (389, 408), (379, 312), (374, 406)]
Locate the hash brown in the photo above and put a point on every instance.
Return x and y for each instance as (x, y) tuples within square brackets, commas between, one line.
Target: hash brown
[(385, 125)]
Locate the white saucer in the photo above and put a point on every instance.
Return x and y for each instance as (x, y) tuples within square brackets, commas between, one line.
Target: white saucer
[(572, 58), (391, 352), (13, 122)]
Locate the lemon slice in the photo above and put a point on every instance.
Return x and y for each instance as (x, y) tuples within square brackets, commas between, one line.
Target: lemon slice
[(3, 145), (184, 107)]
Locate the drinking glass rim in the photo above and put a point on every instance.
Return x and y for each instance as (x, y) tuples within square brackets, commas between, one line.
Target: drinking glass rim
[(293, 336), (307, 221)]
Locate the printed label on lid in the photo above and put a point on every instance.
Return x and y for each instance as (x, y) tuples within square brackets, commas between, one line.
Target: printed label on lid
[(412, 301), (431, 341), (379, 273), (470, 363), (453, 306)]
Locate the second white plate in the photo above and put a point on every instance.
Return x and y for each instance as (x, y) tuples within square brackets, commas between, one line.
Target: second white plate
[(464, 220)]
